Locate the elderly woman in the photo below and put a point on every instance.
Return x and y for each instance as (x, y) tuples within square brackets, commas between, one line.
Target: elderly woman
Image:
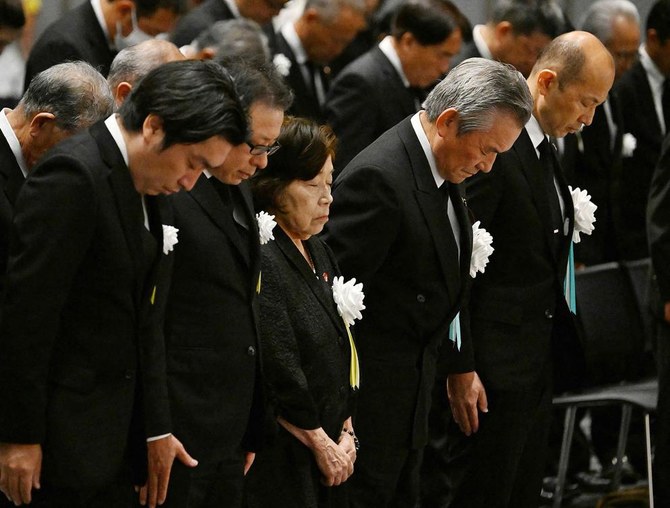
[(306, 345)]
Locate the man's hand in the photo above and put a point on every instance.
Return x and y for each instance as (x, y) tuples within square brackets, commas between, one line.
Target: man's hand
[(161, 455), (20, 467), (333, 462), (466, 394), (666, 312), (248, 461)]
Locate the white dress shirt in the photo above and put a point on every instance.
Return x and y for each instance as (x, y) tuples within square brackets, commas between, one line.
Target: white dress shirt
[(13, 141)]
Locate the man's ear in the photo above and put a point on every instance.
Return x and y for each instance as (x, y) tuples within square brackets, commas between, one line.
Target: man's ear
[(503, 29), (546, 79), (447, 123), (40, 122), (152, 130), (122, 91)]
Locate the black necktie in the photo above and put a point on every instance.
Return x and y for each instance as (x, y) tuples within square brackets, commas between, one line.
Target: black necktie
[(665, 100), (548, 162)]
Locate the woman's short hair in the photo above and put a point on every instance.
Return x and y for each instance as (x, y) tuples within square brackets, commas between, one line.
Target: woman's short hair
[(305, 147)]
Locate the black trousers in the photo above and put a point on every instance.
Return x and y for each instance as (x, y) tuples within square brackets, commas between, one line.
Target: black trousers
[(214, 486), (502, 465), (385, 477)]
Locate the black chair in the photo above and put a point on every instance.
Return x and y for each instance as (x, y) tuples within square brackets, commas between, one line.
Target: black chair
[(613, 338)]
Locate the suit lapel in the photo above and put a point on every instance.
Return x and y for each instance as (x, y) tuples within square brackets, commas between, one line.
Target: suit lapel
[(13, 176), (128, 200), (432, 204), (456, 193), (532, 170), (255, 261), (296, 79), (406, 103), (291, 253), (206, 195)]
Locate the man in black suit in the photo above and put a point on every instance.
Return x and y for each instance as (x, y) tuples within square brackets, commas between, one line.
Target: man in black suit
[(382, 87), (516, 33), (61, 101), (640, 91), (211, 330), (80, 347), (97, 29), (305, 47), (520, 322), (592, 157), (399, 225), (211, 11)]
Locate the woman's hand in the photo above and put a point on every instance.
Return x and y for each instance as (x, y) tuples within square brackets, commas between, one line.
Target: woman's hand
[(348, 441), (332, 459)]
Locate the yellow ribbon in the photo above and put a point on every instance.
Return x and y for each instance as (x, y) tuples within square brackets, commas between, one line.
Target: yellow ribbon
[(354, 369), (153, 295), (258, 285)]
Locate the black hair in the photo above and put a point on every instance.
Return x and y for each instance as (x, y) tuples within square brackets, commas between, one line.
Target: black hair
[(528, 16), (659, 19), (429, 21), (11, 14), (195, 100)]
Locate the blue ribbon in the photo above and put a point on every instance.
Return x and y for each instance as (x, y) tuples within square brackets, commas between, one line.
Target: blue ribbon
[(455, 331), (569, 284)]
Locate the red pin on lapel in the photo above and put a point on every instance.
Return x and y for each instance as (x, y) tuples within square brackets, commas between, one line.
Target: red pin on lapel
[(324, 276)]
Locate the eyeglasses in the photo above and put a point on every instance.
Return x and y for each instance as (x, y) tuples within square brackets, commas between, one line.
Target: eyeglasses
[(263, 149)]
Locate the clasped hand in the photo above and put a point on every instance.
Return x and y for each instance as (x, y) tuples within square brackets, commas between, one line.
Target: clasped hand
[(20, 468)]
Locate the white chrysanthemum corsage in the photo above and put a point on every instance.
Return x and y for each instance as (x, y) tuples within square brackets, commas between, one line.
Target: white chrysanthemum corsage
[(584, 213), (169, 238), (628, 145), (348, 297), (282, 64), (481, 249), (266, 223)]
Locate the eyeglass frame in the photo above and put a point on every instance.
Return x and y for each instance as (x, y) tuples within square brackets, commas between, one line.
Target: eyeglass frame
[(263, 149)]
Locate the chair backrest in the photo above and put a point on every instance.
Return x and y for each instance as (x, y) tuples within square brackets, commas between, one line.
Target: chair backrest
[(612, 330)]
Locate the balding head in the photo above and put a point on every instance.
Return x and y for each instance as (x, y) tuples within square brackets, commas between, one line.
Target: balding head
[(131, 64), (571, 77)]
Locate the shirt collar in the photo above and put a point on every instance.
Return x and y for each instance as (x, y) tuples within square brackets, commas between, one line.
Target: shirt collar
[(650, 67), (293, 41), (13, 141), (480, 43), (97, 9), (386, 47), (115, 131), (535, 133), (233, 8), (427, 150)]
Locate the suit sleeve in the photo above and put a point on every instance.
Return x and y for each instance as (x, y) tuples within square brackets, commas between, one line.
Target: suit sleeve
[(351, 111), (658, 223), (282, 368), (364, 222), (53, 226)]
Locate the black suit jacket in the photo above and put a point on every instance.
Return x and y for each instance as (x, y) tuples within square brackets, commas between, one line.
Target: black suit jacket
[(658, 228), (388, 229), (592, 162), (640, 119), (75, 36), (11, 180), (79, 345), (305, 102), (211, 324), (366, 99), (518, 304)]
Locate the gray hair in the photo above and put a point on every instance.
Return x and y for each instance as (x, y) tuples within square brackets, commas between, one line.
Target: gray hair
[(329, 10), (74, 92), (236, 39), (505, 90), (133, 63), (600, 17)]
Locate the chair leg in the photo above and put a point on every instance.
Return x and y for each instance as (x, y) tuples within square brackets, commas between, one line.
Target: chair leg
[(647, 436), (568, 431), (626, 412)]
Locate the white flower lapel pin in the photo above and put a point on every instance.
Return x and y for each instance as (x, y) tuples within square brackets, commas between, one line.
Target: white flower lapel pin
[(169, 238), (584, 213), (282, 64), (628, 145), (348, 297), (481, 249), (266, 223)]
